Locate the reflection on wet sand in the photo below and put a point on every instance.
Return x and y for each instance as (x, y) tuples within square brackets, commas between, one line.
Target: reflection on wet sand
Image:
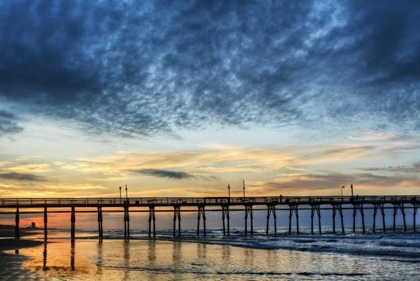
[(44, 263), (126, 259), (100, 259), (72, 252)]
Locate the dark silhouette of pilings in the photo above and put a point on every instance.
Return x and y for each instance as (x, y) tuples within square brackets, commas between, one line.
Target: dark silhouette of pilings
[(201, 214), (100, 223), (73, 223), (225, 217), (177, 217), (293, 209), (152, 221), (358, 207), (271, 209), (399, 206), (273, 204), (381, 208), (338, 208), (126, 222), (315, 208), (248, 212), (17, 228), (45, 224), (415, 208)]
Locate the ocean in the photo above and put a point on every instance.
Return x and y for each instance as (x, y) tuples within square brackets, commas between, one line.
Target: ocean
[(380, 256)]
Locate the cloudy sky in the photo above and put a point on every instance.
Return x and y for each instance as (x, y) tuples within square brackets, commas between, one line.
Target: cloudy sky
[(182, 98)]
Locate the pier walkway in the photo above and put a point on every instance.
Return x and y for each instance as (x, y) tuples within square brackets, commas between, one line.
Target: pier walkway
[(177, 205)]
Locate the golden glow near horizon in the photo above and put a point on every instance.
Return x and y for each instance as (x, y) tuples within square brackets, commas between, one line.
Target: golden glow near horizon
[(206, 169)]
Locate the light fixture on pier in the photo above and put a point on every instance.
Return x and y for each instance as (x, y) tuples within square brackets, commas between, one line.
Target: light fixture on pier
[(126, 193), (120, 195)]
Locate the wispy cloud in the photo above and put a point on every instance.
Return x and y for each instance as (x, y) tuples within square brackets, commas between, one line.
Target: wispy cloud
[(8, 123)]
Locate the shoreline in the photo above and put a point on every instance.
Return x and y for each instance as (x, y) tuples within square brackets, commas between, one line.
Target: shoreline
[(13, 264), (8, 242)]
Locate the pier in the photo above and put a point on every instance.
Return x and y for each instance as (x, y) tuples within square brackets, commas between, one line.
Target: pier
[(177, 205)]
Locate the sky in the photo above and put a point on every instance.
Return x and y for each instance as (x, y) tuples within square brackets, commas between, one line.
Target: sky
[(182, 98)]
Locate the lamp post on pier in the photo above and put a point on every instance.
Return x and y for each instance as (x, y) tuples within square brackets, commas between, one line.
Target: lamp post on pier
[(342, 192), (126, 193), (351, 187), (229, 191), (243, 185), (120, 195)]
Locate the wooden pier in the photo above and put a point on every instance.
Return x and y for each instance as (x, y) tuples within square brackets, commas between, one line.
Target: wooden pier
[(272, 204)]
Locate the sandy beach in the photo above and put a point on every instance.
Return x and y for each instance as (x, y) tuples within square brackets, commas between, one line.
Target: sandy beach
[(12, 264)]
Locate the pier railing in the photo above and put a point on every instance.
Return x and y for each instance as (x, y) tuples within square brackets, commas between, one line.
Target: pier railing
[(170, 201), (316, 204)]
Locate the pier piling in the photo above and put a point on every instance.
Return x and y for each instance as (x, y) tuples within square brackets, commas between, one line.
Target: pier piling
[(338, 208), (315, 208), (201, 213), (45, 224), (177, 216), (126, 222), (152, 220), (15, 207), (225, 216), (17, 228), (271, 209), (415, 208), (73, 222), (248, 212), (358, 207), (380, 207), (399, 206), (100, 223), (293, 209)]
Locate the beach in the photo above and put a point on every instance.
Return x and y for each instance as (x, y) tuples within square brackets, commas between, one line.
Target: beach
[(11, 261), (215, 257)]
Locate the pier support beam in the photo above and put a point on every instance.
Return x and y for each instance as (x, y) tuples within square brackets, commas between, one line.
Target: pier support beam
[(225, 216), (73, 223), (399, 206), (415, 208), (315, 208), (381, 208), (100, 223), (201, 213), (271, 209), (152, 221), (293, 209), (338, 208), (17, 228), (358, 207), (126, 222), (248, 211), (45, 224), (177, 216)]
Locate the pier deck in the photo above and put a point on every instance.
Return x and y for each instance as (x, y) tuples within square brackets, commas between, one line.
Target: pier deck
[(335, 204)]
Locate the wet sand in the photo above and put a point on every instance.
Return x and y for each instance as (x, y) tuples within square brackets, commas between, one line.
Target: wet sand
[(11, 265)]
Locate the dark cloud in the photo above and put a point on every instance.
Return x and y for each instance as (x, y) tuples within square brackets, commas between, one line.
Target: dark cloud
[(164, 174), (334, 181), (415, 168), (8, 123), (20, 176), (148, 67)]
